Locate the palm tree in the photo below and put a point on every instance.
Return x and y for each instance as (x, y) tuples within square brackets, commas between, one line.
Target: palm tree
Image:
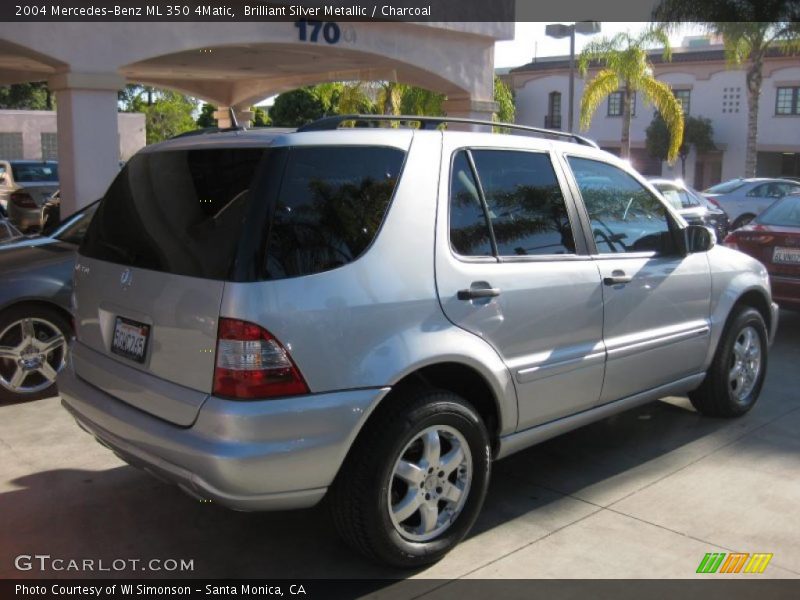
[(749, 29), (625, 66), (389, 97)]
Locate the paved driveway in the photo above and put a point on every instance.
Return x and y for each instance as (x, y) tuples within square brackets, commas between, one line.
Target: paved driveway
[(643, 494)]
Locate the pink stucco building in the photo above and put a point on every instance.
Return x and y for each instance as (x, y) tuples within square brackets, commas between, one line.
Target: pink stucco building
[(707, 86)]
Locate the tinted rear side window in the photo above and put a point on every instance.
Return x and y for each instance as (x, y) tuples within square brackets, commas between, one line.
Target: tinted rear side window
[(469, 231), (180, 211), (331, 203)]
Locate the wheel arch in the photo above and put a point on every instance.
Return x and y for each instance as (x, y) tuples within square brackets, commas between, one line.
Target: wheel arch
[(42, 303)]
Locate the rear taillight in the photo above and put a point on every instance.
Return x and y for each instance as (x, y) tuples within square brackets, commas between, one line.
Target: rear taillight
[(730, 241), (22, 199), (714, 201), (756, 238), (251, 363)]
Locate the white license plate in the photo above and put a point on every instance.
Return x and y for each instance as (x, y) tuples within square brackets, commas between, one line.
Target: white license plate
[(130, 339), (786, 256)]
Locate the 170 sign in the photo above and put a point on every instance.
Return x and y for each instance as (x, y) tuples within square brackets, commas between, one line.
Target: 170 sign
[(308, 31)]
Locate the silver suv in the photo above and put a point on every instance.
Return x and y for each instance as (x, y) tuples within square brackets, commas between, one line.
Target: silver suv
[(374, 315)]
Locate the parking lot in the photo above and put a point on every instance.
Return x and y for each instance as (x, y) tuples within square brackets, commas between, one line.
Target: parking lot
[(643, 494)]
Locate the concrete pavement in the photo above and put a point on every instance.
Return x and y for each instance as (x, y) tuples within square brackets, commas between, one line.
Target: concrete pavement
[(643, 494)]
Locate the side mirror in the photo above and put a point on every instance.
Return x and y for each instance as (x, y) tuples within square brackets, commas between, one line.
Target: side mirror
[(699, 239)]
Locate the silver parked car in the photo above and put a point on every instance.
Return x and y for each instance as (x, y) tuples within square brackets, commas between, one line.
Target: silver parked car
[(35, 323), (377, 315), (25, 185), (744, 199)]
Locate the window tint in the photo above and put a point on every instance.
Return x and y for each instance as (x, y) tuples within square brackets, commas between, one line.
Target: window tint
[(331, 203), (625, 217), (469, 232), (179, 211), (526, 207)]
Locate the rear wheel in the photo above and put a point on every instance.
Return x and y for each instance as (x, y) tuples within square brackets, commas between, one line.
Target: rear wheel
[(33, 349), (414, 482), (733, 382)]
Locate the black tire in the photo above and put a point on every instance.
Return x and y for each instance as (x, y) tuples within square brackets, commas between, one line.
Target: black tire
[(742, 220), (716, 397), (359, 499), (54, 319)]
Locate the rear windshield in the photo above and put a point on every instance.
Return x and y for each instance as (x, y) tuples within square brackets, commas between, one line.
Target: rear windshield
[(177, 211), (245, 213), (726, 187), (34, 172), (784, 213), (677, 197)]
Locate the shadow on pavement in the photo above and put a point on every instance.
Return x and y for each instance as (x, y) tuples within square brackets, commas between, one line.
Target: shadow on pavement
[(123, 513)]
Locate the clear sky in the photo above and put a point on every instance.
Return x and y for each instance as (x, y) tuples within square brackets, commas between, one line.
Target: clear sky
[(529, 40)]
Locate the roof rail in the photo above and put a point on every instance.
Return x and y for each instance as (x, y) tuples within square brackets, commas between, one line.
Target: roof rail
[(331, 123), (206, 130)]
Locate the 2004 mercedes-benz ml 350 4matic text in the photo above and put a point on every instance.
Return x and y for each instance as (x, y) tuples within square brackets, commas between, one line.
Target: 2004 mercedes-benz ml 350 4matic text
[(377, 314)]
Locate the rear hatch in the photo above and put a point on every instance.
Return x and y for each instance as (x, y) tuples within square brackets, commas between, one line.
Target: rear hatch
[(150, 276)]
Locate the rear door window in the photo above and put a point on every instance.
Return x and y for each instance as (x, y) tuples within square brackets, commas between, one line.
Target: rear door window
[(331, 204), (526, 206), (523, 201), (469, 230)]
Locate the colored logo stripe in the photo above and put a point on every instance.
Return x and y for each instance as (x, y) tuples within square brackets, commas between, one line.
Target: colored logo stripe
[(713, 562), (758, 562), (734, 562)]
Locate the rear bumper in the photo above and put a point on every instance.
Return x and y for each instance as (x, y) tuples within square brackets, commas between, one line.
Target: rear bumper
[(256, 455)]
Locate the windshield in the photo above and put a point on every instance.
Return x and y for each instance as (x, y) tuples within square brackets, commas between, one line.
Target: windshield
[(32, 172), (726, 187), (74, 228), (784, 213)]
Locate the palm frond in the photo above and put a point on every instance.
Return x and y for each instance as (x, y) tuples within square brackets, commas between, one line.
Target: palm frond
[(660, 95), (605, 82), (603, 51)]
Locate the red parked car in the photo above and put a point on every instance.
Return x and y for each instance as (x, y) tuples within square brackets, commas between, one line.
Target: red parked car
[(774, 239)]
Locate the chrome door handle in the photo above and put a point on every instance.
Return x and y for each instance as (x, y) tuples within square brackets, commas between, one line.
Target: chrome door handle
[(617, 277), (476, 293)]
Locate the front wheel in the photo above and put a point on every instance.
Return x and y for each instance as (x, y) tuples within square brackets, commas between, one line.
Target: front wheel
[(414, 482), (733, 382)]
